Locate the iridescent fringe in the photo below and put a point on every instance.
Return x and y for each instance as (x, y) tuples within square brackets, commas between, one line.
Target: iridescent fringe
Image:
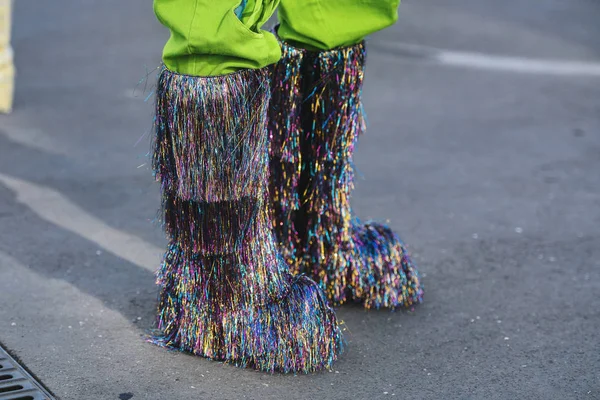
[(351, 260), (389, 277), (331, 253), (285, 152), (209, 152), (226, 293)]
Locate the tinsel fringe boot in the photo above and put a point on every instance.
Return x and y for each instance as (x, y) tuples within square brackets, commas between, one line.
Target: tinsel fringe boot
[(226, 292), (315, 119)]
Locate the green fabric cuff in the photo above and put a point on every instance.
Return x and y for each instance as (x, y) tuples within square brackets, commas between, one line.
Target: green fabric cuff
[(208, 38), (329, 24)]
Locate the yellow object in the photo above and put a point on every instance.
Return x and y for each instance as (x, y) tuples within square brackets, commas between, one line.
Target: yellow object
[(5, 15), (7, 69), (7, 80)]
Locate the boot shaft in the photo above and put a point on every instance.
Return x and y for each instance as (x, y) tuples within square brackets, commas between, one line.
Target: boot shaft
[(211, 158), (315, 120)]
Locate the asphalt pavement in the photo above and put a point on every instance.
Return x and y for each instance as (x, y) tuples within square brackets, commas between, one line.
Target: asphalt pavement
[(483, 152)]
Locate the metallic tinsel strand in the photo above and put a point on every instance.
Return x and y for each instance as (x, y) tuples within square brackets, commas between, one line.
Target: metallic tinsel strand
[(226, 293), (351, 260), (285, 152)]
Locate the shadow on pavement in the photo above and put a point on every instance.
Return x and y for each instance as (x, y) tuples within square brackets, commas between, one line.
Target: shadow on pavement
[(57, 253)]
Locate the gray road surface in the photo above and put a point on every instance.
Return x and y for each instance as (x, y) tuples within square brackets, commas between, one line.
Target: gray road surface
[(483, 151)]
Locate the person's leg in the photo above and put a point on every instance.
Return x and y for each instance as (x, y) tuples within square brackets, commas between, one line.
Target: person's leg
[(329, 24), (226, 293), (210, 38), (315, 119)]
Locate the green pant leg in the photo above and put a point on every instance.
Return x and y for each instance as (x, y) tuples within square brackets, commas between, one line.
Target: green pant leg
[(328, 24), (209, 38)]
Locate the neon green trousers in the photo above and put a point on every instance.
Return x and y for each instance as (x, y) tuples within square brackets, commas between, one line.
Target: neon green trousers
[(216, 37)]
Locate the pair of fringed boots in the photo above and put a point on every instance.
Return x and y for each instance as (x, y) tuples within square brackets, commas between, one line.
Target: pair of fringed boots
[(256, 174)]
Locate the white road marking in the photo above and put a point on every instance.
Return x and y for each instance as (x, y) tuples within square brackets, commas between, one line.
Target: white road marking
[(519, 64), (53, 207), (33, 137), (492, 62)]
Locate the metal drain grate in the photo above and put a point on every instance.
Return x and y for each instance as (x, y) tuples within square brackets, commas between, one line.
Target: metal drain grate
[(16, 383)]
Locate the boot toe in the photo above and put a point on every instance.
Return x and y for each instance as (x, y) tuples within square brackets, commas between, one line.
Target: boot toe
[(303, 335), (389, 278), (297, 333)]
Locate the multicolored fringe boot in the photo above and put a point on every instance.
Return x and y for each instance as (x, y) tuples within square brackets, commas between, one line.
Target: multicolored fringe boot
[(316, 116), (226, 292)]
